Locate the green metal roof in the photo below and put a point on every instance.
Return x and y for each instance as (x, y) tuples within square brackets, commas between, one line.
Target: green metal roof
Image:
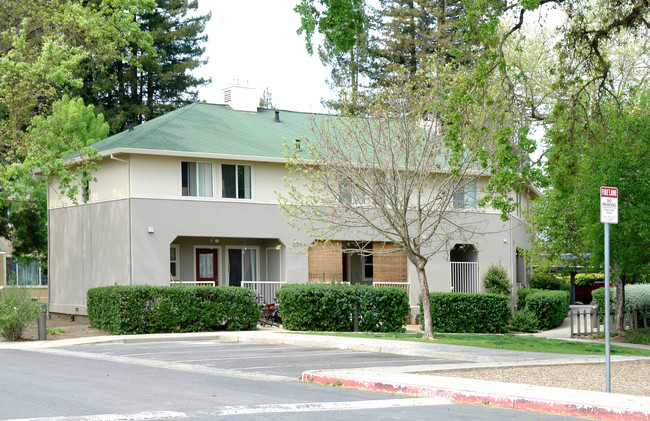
[(214, 129)]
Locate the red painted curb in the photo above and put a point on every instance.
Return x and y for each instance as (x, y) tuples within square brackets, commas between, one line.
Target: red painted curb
[(490, 399)]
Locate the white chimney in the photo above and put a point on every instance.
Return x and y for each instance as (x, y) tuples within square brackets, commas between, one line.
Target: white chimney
[(241, 97)]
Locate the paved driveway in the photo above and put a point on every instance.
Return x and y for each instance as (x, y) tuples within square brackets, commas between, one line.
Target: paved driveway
[(207, 380)]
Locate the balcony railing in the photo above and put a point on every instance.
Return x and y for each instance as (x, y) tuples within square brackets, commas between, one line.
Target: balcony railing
[(402, 285), (191, 283), (265, 290), (464, 277)]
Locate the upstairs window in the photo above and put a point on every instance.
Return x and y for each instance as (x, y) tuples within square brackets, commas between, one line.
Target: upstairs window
[(350, 194), (465, 197), (196, 179), (236, 181)]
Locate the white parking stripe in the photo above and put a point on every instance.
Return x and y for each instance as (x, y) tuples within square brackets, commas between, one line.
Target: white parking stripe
[(157, 415), (194, 352), (264, 357), (330, 406)]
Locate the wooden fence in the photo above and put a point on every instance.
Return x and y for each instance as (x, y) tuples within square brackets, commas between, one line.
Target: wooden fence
[(589, 321)]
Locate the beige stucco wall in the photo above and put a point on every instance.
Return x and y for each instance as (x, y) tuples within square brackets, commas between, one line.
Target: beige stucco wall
[(114, 239), (111, 183), (89, 246), (160, 177)]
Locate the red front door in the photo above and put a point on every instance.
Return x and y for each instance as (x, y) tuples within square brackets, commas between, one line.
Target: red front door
[(206, 266)]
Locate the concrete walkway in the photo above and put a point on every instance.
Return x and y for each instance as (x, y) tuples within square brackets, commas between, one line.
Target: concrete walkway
[(408, 381)]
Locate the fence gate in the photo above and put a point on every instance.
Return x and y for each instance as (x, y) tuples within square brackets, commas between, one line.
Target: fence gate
[(464, 277)]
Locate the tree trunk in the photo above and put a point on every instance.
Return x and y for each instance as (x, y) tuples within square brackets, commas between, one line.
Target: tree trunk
[(619, 315), (426, 303)]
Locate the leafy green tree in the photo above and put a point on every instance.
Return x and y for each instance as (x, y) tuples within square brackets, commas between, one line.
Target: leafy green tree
[(345, 26), (42, 45), (611, 149), (71, 127)]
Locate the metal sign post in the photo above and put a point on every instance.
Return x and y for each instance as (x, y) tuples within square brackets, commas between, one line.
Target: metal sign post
[(608, 215)]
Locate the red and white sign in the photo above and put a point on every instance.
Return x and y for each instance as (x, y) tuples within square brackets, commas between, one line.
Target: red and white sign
[(609, 205)]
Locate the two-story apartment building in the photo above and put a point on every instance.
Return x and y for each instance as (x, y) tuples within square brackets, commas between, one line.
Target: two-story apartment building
[(191, 196)]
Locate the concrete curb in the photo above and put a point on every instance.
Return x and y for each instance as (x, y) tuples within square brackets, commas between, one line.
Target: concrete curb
[(523, 397)]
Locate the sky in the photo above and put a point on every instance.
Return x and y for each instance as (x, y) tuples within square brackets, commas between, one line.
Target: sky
[(255, 41)]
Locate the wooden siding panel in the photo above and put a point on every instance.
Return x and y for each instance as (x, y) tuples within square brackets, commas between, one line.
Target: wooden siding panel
[(325, 261), (388, 267)]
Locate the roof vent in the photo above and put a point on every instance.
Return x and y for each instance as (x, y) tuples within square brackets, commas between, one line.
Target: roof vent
[(277, 116), (241, 97)]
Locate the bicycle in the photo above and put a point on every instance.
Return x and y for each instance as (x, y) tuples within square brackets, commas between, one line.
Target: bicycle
[(270, 315)]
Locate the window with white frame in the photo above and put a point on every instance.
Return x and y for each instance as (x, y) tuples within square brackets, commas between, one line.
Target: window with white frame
[(196, 179), (465, 197), (173, 262), (24, 273), (236, 181)]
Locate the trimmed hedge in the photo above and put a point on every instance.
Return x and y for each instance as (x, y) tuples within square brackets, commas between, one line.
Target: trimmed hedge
[(153, 309), (549, 307), (471, 313), (331, 307), (522, 293)]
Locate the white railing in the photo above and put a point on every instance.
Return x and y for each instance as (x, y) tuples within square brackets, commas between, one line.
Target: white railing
[(266, 290), (464, 277), (402, 285), (191, 283)]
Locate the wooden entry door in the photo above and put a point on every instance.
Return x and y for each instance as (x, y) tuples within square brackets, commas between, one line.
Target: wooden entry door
[(207, 266)]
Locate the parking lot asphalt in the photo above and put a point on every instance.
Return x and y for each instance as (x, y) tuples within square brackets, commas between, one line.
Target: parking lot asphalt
[(403, 378)]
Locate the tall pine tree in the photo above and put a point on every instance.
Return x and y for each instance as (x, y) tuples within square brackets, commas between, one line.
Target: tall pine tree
[(152, 84), (414, 30)]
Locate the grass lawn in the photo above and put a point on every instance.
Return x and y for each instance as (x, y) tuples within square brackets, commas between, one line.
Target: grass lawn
[(507, 341)]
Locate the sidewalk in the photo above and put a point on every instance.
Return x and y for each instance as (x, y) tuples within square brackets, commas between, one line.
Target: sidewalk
[(410, 380)]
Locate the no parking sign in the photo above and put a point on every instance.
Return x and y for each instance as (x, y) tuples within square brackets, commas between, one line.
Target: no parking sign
[(609, 205)]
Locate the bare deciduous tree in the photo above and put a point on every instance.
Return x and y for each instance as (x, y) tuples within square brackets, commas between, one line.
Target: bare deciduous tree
[(402, 173)]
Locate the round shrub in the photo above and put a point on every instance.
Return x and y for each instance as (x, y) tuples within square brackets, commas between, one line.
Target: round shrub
[(496, 280), (549, 307), (17, 312)]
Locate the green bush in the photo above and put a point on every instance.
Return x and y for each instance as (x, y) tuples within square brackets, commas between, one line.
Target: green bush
[(331, 307), (496, 280), (544, 280), (153, 309), (549, 307), (17, 312), (524, 321), (522, 293), (637, 336), (636, 296), (469, 313)]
